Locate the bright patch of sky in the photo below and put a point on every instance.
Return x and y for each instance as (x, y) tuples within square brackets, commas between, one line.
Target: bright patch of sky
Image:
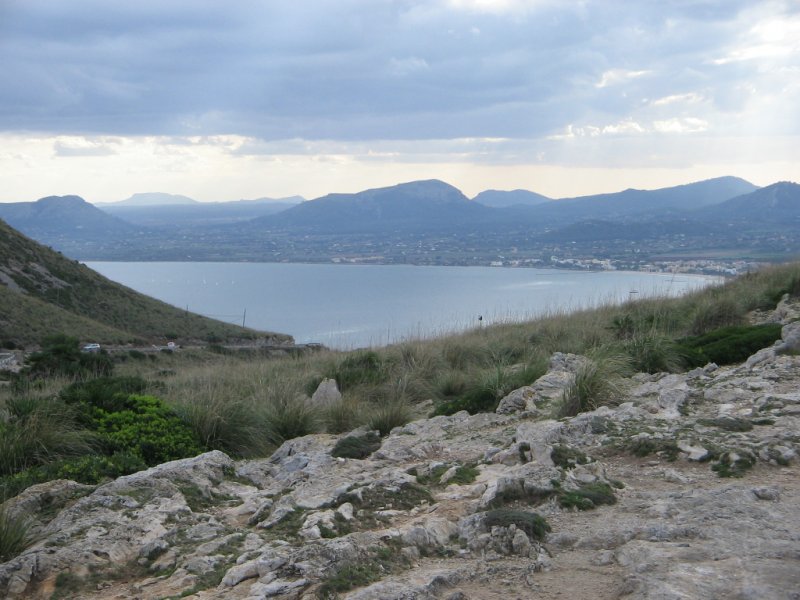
[(223, 101)]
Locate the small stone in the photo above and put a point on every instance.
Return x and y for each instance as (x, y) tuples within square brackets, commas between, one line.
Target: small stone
[(772, 494)]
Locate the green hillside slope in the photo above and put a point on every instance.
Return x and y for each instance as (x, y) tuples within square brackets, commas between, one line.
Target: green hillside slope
[(43, 292)]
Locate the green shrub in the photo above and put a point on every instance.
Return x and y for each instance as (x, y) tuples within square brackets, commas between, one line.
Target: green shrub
[(15, 534), (357, 446), (90, 469), (728, 345), (146, 427), (106, 393), (534, 525)]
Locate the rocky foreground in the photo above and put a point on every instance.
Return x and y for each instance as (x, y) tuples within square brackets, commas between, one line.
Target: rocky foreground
[(689, 489)]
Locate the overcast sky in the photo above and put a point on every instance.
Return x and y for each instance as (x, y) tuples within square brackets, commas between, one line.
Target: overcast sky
[(227, 100)]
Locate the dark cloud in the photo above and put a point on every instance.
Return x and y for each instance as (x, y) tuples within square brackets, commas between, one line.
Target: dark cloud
[(363, 69)]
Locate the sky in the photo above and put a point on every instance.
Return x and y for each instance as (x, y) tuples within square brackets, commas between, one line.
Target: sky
[(247, 99)]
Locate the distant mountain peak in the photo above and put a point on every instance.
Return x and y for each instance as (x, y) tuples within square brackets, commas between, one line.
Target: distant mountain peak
[(501, 198), (155, 199)]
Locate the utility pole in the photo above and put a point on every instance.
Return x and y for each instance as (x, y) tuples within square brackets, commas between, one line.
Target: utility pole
[(244, 316)]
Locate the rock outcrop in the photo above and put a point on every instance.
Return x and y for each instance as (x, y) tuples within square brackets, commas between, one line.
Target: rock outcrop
[(687, 489)]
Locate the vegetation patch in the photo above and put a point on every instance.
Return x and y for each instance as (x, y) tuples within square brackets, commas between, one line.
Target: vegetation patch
[(379, 562), (534, 525), (359, 368), (483, 394), (587, 496), (357, 446), (645, 446), (567, 457), (734, 464), (728, 423), (403, 497), (728, 345)]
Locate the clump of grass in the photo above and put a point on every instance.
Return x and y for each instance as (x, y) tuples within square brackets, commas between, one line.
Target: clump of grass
[(596, 383), (15, 534), (484, 392), (357, 446), (227, 424), (715, 312), (533, 524), (653, 353), (288, 417), (39, 431), (359, 368), (343, 416), (387, 416)]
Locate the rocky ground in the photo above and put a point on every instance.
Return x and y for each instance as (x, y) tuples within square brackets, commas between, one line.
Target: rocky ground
[(689, 489)]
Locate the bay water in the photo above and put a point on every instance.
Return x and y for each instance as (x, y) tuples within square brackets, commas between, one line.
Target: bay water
[(351, 306)]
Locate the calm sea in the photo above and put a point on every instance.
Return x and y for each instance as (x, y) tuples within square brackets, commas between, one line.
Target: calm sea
[(349, 306)]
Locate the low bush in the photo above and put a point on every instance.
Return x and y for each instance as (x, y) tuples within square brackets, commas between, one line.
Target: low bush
[(357, 446), (728, 345), (90, 469), (145, 427), (533, 524), (61, 355)]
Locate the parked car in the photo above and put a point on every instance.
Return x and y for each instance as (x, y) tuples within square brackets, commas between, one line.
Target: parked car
[(91, 348)]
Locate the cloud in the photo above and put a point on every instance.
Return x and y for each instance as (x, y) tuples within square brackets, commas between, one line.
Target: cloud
[(447, 81), (80, 146)]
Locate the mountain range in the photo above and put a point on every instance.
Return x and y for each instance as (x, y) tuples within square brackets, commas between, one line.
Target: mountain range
[(430, 222)]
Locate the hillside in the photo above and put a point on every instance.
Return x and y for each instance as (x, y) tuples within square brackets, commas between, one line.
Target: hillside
[(681, 486), (777, 204), (43, 292)]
